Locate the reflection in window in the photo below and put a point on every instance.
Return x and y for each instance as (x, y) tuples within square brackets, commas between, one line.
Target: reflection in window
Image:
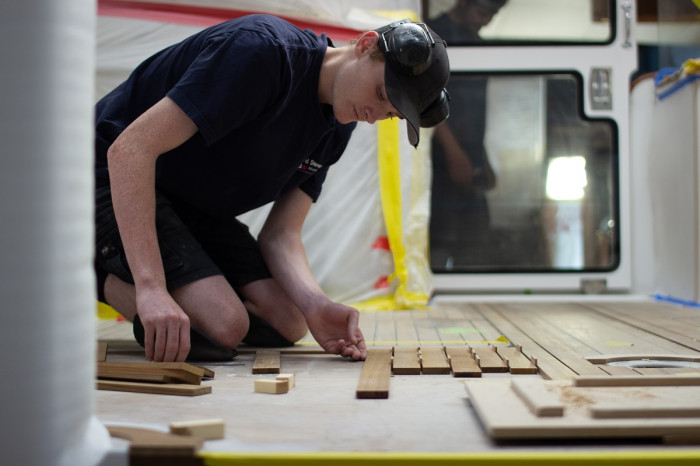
[(464, 22), (521, 181)]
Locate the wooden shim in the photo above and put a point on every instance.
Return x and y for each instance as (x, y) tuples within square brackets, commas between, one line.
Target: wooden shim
[(406, 360), (516, 361), (154, 367), (207, 429), (607, 358), (155, 388), (434, 360), (375, 375), (636, 381), (540, 402), (643, 411), (489, 360), (147, 442), (266, 362), (462, 361), (146, 372)]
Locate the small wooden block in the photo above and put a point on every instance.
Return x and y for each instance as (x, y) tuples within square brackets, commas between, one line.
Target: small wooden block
[(289, 378), (271, 386), (206, 429), (462, 362), (516, 361), (266, 362), (540, 402), (146, 442), (101, 350), (375, 375), (155, 388), (434, 360), (489, 360), (406, 361)]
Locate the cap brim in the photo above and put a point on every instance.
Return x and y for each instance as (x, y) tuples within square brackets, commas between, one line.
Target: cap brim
[(403, 103)]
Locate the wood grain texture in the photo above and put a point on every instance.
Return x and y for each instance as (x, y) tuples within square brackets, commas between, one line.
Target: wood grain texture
[(489, 360), (434, 360), (406, 360), (266, 362), (155, 388), (516, 361), (375, 375), (462, 361)]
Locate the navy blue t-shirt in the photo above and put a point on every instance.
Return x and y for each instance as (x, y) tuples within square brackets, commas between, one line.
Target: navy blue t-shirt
[(251, 87)]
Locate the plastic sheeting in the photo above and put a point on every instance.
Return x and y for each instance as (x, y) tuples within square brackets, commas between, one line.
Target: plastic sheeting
[(366, 237), (47, 287)]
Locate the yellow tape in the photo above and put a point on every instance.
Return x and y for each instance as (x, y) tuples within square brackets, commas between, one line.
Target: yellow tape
[(105, 311), (575, 458)]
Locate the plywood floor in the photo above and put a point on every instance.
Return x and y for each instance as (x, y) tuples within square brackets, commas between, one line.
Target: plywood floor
[(424, 413)]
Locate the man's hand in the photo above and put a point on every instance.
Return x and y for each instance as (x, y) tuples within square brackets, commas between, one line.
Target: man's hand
[(334, 326), (166, 326)]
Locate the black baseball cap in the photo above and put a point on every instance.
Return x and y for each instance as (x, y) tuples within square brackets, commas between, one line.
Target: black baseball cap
[(416, 73)]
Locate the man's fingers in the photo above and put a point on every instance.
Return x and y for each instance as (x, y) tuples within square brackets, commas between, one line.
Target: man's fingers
[(148, 341), (353, 321), (184, 342), (160, 343)]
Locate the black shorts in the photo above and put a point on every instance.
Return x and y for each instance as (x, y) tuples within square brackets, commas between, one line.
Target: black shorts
[(193, 246)]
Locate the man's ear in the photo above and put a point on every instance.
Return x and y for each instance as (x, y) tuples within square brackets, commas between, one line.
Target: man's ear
[(366, 42)]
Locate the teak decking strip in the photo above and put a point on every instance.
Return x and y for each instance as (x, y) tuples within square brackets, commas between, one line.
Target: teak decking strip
[(434, 360), (375, 375), (462, 362), (155, 388), (149, 372), (406, 361), (489, 360), (516, 361)]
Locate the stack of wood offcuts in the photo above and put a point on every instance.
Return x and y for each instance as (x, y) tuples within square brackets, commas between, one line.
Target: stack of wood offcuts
[(665, 408)]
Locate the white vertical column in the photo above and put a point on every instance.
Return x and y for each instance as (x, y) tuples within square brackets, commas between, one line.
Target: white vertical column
[(47, 305)]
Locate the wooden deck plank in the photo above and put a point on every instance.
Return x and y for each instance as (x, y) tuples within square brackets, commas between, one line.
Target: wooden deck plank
[(673, 323), (375, 375), (489, 360), (550, 366), (406, 361), (434, 360), (554, 339), (462, 362)]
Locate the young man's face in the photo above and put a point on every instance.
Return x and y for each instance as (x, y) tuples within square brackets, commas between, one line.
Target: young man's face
[(359, 93)]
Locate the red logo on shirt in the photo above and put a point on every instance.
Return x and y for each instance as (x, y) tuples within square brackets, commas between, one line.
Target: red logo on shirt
[(310, 166)]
